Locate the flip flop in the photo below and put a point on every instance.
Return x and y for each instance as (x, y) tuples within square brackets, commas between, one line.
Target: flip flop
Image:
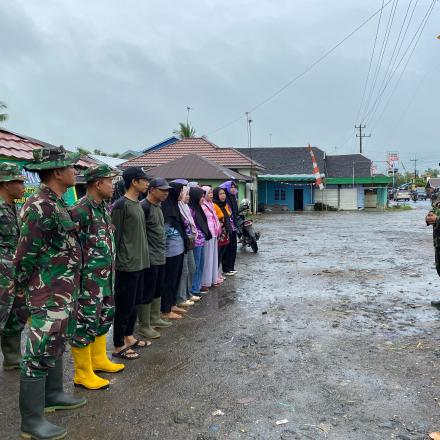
[(137, 344), (126, 356)]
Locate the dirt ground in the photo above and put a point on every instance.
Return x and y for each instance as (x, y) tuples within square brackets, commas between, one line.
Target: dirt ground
[(329, 327)]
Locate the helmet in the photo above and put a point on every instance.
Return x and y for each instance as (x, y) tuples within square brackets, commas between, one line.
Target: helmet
[(245, 204)]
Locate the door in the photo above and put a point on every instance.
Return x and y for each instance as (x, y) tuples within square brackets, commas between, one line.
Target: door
[(348, 199), (298, 199)]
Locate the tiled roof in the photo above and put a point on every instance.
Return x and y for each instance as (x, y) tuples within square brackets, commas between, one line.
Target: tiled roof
[(16, 146), (228, 157), (195, 167), (297, 161), (286, 160), (344, 165)]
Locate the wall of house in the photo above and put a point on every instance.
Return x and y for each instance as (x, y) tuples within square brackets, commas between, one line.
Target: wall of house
[(287, 196)]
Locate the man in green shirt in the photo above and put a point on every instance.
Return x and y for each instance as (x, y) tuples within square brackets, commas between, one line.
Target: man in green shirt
[(149, 308), (132, 259)]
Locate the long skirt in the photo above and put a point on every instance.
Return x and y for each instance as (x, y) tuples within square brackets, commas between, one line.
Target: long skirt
[(189, 267), (210, 269)]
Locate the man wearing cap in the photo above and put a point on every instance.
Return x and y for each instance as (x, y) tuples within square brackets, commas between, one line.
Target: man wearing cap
[(149, 307), (132, 259), (13, 311), (95, 302), (47, 265)]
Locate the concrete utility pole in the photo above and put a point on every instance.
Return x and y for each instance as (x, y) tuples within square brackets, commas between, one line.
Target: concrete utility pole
[(415, 168), (361, 136)]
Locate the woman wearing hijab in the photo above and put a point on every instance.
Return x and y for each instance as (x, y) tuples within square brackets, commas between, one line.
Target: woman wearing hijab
[(210, 251), (203, 235), (224, 215), (176, 242), (184, 296), (230, 253)]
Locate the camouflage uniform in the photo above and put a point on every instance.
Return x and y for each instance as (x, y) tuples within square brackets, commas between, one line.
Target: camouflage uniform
[(436, 229), (48, 268), (13, 311), (96, 300)]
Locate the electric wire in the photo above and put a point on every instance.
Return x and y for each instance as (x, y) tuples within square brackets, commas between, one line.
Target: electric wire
[(416, 38), (382, 53), (304, 72), (370, 64)]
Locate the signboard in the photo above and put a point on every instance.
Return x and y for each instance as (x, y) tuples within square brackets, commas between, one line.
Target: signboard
[(393, 163), (373, 170)]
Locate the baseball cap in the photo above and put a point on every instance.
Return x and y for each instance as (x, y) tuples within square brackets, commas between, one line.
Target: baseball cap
[(159, 183), (98, 172), (134, 173)]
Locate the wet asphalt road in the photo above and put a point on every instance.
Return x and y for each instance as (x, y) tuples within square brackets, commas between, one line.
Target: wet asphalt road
[(328, 327)]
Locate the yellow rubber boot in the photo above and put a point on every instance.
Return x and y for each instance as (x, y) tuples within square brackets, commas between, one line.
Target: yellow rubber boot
[(84, 375), (100, 360)]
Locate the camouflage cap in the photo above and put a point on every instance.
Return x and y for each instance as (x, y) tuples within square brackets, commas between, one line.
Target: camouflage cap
[(98, 172), (52, 158), (10, 172)]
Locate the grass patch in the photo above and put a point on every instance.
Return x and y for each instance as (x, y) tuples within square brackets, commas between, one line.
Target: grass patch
[(400, 207)]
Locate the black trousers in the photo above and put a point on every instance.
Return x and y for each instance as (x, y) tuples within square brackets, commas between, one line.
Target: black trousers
[(230, 253), (128, 292), (170, 285), (221, 252), (153, 280)]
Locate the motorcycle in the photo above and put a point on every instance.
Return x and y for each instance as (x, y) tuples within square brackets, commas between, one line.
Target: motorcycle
[(245, 229)]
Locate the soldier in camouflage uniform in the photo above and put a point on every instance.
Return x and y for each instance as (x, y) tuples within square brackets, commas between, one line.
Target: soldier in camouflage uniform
[(433, 218), (13, 311), (47, 265), (96, 300)]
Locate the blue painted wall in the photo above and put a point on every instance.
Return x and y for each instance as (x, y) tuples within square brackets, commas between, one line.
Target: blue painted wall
[(283, 194)]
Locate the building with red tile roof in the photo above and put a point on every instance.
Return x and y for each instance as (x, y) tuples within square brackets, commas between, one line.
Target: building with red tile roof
[(227, 157)]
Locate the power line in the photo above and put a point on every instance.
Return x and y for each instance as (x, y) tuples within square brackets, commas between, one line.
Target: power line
[(370, 64), (304, 72), (416, 37), (382, 52)]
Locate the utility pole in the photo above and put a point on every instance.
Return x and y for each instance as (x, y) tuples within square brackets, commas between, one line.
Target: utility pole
[(415, 160), (361, 136)]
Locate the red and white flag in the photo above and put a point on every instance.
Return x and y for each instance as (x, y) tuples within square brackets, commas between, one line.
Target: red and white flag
[(316, 172)]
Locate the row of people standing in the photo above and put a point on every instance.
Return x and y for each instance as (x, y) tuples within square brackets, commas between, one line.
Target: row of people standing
[(67, 271)]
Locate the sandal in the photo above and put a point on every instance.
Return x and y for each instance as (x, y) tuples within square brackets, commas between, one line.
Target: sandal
[(127, 354), (140, 343)]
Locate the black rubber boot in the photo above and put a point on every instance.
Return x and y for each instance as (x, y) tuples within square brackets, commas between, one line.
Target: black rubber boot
[(56, 398), (11, 348), (33, 423)]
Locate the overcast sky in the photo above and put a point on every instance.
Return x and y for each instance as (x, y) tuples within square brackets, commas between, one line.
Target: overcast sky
[(116, 76)]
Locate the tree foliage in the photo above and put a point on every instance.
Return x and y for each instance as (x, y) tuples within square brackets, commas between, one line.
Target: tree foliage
[(3, 115), (185, 130)]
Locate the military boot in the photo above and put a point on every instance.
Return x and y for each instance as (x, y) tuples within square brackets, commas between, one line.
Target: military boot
[(155, 319), (11, 348), (145, 328), (56, 398), (33, 423)]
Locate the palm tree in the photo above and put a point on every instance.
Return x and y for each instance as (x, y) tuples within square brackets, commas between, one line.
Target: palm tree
[(3, 116), (185, 130)]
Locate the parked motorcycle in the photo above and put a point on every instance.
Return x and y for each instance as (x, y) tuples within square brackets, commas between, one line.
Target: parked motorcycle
[(245, 229)]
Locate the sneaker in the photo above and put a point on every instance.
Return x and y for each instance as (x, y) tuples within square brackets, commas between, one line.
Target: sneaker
[(228, 274), (204, 289), (234, 271), (195, 298)]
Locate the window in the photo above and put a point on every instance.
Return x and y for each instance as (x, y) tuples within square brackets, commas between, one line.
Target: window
[(280, 194)]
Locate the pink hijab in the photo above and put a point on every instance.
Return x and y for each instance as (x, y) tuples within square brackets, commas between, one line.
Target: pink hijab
[(186, 213), (211, 216)]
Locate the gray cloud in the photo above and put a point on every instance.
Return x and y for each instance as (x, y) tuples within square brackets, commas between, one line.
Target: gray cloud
[(102, 75)]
